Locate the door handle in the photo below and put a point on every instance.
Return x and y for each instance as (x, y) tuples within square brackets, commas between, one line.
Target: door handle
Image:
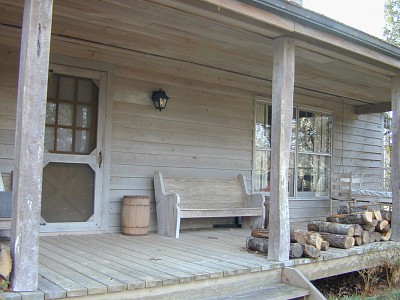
[(100, 159)]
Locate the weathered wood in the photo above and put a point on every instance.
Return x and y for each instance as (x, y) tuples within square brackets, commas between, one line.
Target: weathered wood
[(338, 241), (261, 245), (5, 262), (306, 237), (358, 230), (395, 159), (282, 114), (358, 241), (311, 251), (385, 236), (377, 214), (29, 143), (260, 233), (386, 215), (365, 237), (178, 198), (337, 228), (325, 246), (370, 225), (374, 237), (382, 226), (353, 218)]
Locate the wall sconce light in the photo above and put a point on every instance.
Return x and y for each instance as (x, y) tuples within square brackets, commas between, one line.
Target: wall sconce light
[(160, 99)]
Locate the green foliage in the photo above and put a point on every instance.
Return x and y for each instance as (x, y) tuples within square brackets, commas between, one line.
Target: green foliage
[(392, 22)]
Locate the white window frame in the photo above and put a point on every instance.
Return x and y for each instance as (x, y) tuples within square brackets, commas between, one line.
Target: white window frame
[(299, 107)]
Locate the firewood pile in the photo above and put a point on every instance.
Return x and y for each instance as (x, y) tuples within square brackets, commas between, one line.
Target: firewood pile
[(344, 230)]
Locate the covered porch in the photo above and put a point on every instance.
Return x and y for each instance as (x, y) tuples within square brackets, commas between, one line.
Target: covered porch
[(219, 61), (202, 264)]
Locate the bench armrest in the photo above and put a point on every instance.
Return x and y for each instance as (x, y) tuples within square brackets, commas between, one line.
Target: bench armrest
[(167, 207), (250, 200)]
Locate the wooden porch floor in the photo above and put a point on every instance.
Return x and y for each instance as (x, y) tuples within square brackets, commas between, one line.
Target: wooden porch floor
[(83, 265)]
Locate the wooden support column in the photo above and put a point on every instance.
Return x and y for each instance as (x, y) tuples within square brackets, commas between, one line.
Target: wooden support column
[(282, 115), (29, 140), (395, 159)]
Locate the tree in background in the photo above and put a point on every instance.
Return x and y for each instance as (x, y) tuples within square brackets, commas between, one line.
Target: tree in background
[(391, 31)]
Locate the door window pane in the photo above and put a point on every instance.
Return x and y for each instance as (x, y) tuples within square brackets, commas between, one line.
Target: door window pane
[(67, 88), (82, 141), (83, 117), (65, 114), (64, 140), (85, 90), (51, 113)]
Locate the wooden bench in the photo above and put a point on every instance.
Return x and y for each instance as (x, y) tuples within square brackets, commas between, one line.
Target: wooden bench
[(178, 198)]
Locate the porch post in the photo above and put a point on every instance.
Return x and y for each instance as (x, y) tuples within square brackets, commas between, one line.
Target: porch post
[(29, 140), (395, 159), (282, 114)]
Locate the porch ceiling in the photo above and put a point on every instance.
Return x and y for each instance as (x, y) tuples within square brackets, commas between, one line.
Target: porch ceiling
[(201, 33)]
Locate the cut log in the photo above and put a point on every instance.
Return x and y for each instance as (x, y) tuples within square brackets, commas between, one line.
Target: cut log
[(377, 214), (337, 228), (5, 262), (311, 251), (385, 236), (324, 246), (374, 237), (365, 237), (386, 215), (353, 218), (338, 240), (261, 245), (260, 233), (370, 225), (358, 241), (358, 230), (306, 237), (382, 225)]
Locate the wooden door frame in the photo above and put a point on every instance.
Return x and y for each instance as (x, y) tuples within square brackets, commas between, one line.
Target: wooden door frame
[(100, 222)]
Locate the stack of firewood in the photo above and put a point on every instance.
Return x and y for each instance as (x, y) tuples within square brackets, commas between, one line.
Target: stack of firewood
[(369, 225), (344, 230), (303, 243)]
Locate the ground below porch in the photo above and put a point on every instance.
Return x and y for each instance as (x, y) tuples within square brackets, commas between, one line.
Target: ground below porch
[(116, 266)]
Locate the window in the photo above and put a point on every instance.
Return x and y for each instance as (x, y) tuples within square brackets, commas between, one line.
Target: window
[(71, 114), (310, 151)]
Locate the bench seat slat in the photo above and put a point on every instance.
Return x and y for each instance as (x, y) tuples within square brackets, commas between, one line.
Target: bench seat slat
[(203, 213)]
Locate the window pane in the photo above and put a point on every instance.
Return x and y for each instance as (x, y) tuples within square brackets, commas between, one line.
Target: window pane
[(65, 114), (85, 90), (67, 88), (64, 139), (313, 174), (263, 166), (82, 143), (314, 132), (51, 113), (263, 126), (49, 139), (294, 125), (83, 117)]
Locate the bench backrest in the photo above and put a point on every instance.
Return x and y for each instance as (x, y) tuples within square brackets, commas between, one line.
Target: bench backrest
[(202, 193)]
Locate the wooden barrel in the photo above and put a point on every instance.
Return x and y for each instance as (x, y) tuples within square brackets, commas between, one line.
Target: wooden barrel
[(135, 215)]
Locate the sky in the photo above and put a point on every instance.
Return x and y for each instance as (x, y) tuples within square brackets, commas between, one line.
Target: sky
[(365, 15)]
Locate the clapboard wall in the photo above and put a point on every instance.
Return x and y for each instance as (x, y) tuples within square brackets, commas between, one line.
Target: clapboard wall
[(205, 131)]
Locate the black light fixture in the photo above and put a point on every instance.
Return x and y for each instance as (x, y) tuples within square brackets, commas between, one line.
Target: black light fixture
[(160, 99)]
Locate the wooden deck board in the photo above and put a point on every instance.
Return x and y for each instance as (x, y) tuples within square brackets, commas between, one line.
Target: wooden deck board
[(95, 264), (90, 269)]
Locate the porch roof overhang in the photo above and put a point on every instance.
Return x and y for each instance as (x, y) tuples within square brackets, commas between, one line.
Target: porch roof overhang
[(333, 60)]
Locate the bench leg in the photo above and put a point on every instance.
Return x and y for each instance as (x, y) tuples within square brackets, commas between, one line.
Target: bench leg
[(168, 216), (252, 222)]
